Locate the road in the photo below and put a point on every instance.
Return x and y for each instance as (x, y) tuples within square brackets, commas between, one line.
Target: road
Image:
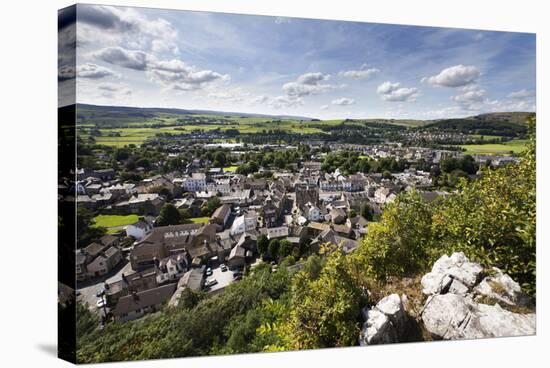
[(89, 289)]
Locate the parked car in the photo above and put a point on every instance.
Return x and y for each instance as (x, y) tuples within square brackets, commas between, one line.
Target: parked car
[(100, 293), (209, 271), (211, 283), (237, 274), (101, 303), (223, 267)]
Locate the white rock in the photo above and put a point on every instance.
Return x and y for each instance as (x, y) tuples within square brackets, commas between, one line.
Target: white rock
[(444, 314), (447, 269), (507, 290), (453, 316), (378, 329)]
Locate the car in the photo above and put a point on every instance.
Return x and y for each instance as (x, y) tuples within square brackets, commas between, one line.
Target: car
[(210, 283), (78, 293), (209, 271), (237, 278), (237, 274), (101, 303), (100, 293), (223, 267)]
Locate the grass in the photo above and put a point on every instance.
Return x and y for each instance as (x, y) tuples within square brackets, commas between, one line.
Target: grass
[(230, 168), (514, 146), (199, 220), (109, 221)]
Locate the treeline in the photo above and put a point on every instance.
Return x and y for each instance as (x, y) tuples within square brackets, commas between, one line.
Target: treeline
[(480, 127), (351, 162)]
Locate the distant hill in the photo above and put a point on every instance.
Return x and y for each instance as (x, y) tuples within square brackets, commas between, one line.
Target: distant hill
[(151, 111), (518, 117), (508, 124)]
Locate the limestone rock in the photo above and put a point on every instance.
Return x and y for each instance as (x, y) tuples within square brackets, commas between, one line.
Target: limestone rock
[(503, 288), (448, 270), (386, 322)]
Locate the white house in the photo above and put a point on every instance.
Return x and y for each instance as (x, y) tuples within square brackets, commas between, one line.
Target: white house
[(139, 230), (195, 183), (243, 223)]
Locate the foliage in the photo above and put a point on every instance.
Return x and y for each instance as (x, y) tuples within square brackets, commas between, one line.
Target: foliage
[(325, 311), (169, 215), (492, 220)]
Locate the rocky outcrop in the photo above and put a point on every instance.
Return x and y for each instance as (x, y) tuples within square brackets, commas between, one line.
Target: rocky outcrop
[(454, 274), (385, 323), (462, 304)]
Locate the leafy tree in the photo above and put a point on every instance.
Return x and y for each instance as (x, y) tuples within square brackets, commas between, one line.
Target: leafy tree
[(262, 244), (169, 215), (285, 248), (273, 249)]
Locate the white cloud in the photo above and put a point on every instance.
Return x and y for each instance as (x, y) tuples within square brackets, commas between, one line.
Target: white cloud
[(127, 27), (343, 101), (174, 74), (94, 71), (131, 59), (285, 102), (308, 84), (522, 94), (362, 73), (470, 96), (454, 76), (393, 92), (260, 99), (323, 107)]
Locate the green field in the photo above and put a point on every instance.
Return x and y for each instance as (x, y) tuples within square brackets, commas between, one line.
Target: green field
[(514, 146), (109, 221), (199, 220), (230, 168)]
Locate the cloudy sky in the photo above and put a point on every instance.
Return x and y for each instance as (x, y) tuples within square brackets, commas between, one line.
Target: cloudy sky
[(317, 68)]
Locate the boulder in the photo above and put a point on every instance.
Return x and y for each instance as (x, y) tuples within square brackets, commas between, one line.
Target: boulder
[(452, 316), (385, 323), (501, 287), (455, 308), (378, 329), (448, 270)]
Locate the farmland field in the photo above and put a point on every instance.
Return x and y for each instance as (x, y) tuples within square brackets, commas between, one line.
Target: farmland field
[(515, 146)]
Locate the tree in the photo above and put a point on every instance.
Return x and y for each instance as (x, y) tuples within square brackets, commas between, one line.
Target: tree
[(366, 212), (285, 248), (263, 244), (325, 310), (273, 249), (169, 215)]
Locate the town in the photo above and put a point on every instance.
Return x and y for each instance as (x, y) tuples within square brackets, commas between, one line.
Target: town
[(199, 226)]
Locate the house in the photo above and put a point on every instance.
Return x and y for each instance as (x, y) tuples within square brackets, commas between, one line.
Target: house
[(104, 262), (195, 183), (338, 215), (98, 258), (192, 280), (171, 268), (237, 257), (140, 229), (168, 240), (277, 232), (312, 212), (134, 282), (142, 203), (136, 305), (245, 222), (221, 215)]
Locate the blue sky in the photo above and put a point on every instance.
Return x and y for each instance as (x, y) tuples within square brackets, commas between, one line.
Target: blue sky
[(317, 68)]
